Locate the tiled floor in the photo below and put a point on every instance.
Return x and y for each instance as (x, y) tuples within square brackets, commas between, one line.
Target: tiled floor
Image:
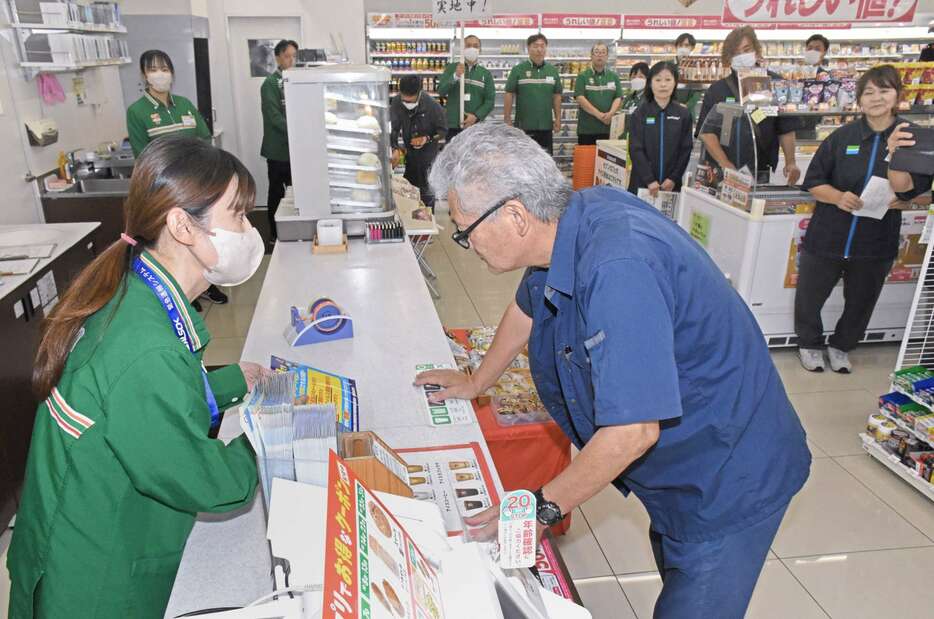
[(856, 542)]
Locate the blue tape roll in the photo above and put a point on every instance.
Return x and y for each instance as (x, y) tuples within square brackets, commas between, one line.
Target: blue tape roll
[(322, 308)]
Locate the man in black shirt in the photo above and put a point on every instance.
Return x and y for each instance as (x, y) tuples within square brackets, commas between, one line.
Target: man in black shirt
[(420, 121)]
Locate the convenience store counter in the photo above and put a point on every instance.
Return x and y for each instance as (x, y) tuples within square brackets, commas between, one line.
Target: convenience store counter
[(227, 559)]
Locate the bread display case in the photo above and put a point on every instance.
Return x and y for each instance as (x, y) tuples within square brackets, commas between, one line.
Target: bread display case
[(338, 120)]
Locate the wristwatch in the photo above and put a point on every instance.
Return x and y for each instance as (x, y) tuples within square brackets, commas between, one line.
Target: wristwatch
[(548, 512)]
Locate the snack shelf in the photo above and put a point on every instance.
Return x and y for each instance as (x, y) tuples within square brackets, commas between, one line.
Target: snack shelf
[(914, 398), (904, 426), (892, 462), (409, 55)]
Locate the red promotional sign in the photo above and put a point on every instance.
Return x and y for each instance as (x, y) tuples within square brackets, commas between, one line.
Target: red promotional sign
[(713, 22), (821, 11), (580, 20), (401, 20), (505, 21)]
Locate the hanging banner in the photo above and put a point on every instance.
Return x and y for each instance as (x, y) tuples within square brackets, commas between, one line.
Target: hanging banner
[(810, 11), (519, 20), (580, 20), (713, 22), (401, 20), (453, 11)]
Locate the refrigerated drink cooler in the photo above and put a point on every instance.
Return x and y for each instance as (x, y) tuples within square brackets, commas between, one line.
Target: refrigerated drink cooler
[(338, 119)]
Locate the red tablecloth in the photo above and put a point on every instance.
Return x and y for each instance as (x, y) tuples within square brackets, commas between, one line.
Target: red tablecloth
[(526, 456)]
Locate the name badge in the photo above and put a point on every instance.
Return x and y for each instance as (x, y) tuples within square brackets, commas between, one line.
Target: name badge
[(188, 121), (550, 79), (466, 96), (731, 99), (650, 120), (852, 149), (155, 118)]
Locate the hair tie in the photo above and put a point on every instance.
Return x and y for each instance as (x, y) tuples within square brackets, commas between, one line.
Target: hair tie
[(129, 240)]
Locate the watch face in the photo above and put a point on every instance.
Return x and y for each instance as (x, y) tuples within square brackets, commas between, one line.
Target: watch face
[(548, 514)]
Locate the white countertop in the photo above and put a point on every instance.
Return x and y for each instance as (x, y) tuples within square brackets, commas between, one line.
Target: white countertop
[(227, 560), (65, 236)]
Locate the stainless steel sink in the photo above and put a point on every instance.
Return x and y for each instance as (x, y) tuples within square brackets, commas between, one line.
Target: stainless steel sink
[(117, 186)]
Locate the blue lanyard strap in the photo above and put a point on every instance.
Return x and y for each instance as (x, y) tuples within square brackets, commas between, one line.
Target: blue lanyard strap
[(869, 169), (158, 287)]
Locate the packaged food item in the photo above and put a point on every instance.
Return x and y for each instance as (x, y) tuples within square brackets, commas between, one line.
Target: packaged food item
[(367, 177), (796, 92), (906, 378), (330, 118), (780, 91), (874, 422), (813, 92), (829, 96), (519, 409), (884, 431), (368, 159), (895, 440), (368, 122)]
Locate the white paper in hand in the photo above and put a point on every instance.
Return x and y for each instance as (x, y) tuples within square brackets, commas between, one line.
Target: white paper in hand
[(876, 198)]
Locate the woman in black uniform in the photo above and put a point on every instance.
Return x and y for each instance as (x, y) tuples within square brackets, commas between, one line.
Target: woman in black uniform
[(637, 81), (660, 139), (839, 244), (742, 50)]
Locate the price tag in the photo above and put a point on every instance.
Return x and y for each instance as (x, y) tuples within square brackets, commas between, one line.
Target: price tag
[(769, 110), (758, 115), (517, 530)]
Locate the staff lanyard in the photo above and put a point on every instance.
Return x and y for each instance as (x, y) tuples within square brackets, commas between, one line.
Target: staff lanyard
[(158, 287), (872, 165)]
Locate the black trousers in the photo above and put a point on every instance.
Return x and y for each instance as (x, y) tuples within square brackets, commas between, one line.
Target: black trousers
[(280, 177), (862, 285), (416, 172), (544, 137), (590, 139)]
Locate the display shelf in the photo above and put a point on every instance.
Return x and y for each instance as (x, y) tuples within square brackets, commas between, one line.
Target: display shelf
[(409, 55), (85, 64), (904, 426), (344, 99), (417, 72), (894, 464), (80, 28), (914, 398)]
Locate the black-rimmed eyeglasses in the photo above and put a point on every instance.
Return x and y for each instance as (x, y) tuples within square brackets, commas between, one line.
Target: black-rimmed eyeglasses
[(462, 237)]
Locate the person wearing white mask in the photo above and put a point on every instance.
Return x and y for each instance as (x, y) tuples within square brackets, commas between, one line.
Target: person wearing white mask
[(638, 76), (159, 113), (122, 456), (815, 51), (751, 146), (688, 95), (418, 121), (684, 45), (479, 89)]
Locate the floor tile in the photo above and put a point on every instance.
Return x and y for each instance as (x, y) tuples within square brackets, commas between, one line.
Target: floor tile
[(872, 363), (870, 585), (897, 494), (777, 595), (604, 598), (226, 350), (580, 550), (229, 320), (835, 513), (833, 419), (621, 526), (816, 452)]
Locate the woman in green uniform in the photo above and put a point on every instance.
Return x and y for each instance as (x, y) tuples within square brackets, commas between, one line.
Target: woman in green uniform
[(158, 113), (121, 460)]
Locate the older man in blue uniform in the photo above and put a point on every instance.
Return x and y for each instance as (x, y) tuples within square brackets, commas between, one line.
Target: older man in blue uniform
[(643, 354)]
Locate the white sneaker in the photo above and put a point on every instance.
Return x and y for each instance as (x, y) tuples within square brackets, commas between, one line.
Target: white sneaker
[(839, 360), (812, 360)]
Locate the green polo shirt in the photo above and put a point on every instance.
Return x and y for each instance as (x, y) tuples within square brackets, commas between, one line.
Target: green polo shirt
[(534, 89), (600, 89), (149, 118), (275, 130), (120, 464), (479, 92)]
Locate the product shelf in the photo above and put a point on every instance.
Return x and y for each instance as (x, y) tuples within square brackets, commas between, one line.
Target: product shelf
[(892, 462), (409, 55), (904, 426)]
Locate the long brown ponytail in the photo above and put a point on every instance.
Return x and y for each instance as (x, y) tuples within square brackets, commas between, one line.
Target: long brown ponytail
[(172, 172)]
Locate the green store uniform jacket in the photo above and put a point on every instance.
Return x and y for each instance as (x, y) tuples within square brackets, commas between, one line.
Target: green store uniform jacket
[(275, 130), (601, 89), (534, 88), (479, 93), (149, 118), (120, 463)]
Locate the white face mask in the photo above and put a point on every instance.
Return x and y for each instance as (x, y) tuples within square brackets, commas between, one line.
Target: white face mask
[(238, 256), (812, 57), (410, 105), (471, 54), (684, 51), (637, 83), (744, 61), (160, 81)]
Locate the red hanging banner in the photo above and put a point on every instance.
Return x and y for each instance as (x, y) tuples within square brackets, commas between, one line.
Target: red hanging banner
[(787, 12), (715, 22), (518, 20), (580, 20)]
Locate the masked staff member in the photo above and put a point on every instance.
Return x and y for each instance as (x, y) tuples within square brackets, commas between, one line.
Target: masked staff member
[(660, 137), (638, 78), (742, 50), (479, 89), (815, 51), (419, 121), (599, 93), (688, 96), (841, 245), (535, 87), (644, 355), (121, 461), (158, 113), (275, 147)]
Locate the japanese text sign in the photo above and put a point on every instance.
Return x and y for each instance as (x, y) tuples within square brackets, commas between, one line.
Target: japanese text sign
[(826, 11)]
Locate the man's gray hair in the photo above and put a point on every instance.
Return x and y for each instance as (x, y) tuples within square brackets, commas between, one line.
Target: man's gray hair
[(600, 44), (490, 162)]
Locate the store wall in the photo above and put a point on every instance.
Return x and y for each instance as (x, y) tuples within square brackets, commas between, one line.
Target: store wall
[(102, 119)]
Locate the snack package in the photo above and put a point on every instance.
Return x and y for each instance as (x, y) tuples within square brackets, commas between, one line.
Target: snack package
[(780, 91), (829, 96), (813, 92), (796, 92), (846, 95)]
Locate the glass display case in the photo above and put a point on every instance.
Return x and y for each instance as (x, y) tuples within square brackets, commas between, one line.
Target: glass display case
[(338, 118)]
